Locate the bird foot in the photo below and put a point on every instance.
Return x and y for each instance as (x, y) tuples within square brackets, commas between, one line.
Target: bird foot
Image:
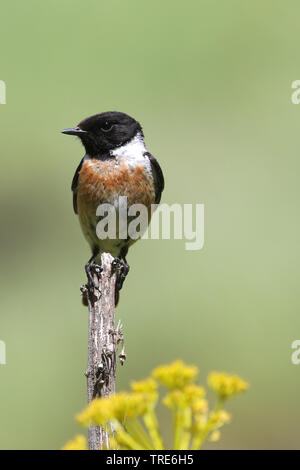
[(91, 269), (122, 269), (90, 287)]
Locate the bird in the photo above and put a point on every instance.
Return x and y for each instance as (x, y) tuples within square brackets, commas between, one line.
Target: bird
[(116, 164)]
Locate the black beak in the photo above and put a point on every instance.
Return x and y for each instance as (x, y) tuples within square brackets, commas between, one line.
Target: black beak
[(74, 131)]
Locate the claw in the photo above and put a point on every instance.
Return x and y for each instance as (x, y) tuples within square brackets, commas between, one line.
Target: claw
[(88, 269)]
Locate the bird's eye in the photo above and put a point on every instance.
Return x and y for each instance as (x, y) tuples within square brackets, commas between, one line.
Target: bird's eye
[(107, 126)]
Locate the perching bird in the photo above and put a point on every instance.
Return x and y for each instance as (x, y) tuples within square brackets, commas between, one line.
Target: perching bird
[(116, 164)]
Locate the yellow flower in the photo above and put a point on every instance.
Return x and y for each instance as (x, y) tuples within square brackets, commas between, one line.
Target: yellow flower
[(175, 399), (128, 405), (130, 418), (214, 436), (193, 392), (121, 410), (144, 386), (194, 396), (175, 375), (98, 412), (217, 419), (206, 424), (120, 406), (190, 396), (226, 385), (78, 443), (148, 388), (199, 406)]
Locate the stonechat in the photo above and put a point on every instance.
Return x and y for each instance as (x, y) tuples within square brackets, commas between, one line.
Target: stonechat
[(116, 165)]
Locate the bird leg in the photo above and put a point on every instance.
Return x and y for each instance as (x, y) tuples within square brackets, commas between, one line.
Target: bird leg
[(122, 269), (89, 266)]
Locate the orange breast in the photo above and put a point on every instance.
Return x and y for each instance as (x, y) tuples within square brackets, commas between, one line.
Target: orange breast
[(103, 181)]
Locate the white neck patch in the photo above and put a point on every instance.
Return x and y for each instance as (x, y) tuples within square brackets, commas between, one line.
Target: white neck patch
[(133, 150), (132, 153)]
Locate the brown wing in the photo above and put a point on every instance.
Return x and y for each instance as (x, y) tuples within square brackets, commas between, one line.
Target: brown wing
[(159, 181), (75, 184)]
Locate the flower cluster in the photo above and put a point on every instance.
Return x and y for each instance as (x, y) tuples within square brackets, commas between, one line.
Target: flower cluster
[(131, 421), (78, 443), (225, 385), (175, 375)]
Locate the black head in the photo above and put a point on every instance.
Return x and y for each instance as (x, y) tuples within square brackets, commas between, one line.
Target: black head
[(106, 131)]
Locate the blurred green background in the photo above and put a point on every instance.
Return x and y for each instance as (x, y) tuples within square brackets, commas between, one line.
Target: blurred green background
[(211, 83)]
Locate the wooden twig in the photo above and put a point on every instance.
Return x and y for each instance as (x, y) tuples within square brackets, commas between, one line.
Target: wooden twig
[(103, 341)]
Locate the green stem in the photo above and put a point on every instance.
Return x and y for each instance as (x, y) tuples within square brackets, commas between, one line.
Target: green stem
[(177, 429), (151, 423), (138, 432), (125, 437)]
